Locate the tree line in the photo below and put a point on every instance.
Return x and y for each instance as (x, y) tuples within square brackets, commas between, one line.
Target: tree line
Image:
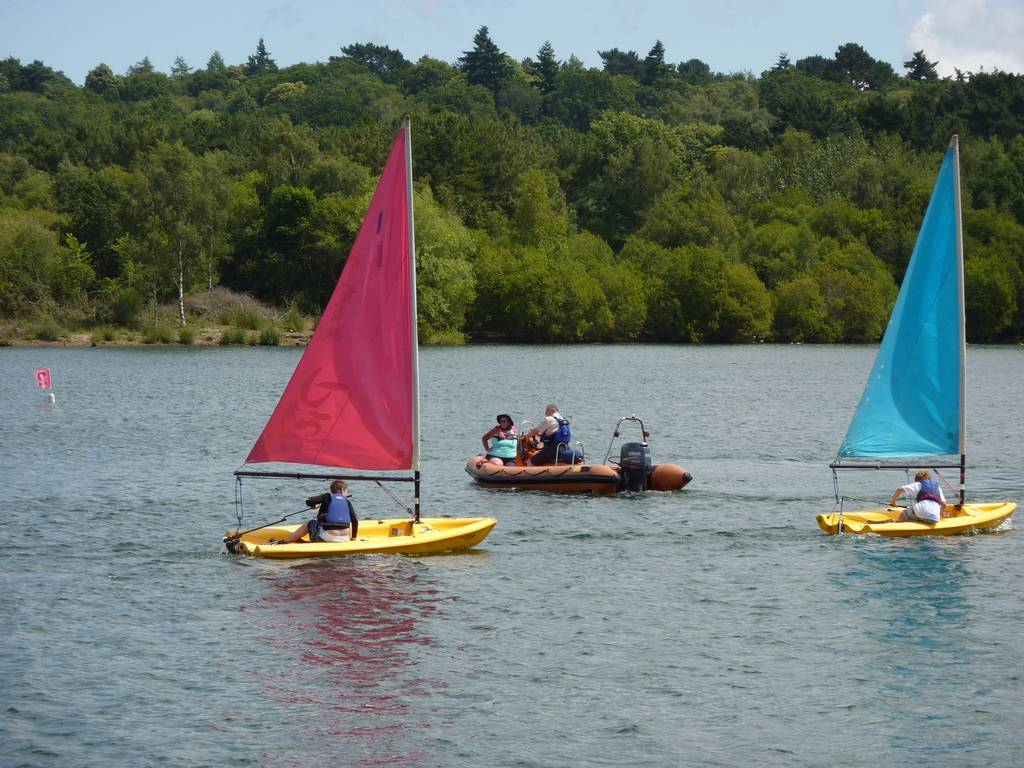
[(639, 200)]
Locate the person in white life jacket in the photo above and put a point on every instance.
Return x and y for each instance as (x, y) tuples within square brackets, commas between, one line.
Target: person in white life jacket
[(553, 432), (335, 520), (929, 503)]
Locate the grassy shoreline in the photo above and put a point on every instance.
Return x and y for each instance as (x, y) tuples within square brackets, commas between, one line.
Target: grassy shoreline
[(218, 317), (198, 336)]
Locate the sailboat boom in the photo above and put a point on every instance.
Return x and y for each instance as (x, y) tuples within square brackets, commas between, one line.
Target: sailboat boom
[(321, 476), (880, 465)]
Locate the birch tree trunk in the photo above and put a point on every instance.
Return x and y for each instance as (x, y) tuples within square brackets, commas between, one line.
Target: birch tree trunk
[(181, 286)]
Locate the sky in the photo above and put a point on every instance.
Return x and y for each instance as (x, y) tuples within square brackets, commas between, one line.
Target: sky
[(728, 35)]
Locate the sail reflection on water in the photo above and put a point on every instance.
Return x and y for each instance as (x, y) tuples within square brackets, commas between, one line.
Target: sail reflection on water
[(349, 633)]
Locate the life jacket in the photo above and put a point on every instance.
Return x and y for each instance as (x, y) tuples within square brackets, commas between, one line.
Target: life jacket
[(930, 492), (561, 435), (338, 514)]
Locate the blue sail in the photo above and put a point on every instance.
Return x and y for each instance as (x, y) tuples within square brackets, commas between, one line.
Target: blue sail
[(912, 401)]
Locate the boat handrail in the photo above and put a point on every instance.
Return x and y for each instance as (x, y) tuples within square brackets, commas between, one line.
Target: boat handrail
[(583, 453), (615, 434)]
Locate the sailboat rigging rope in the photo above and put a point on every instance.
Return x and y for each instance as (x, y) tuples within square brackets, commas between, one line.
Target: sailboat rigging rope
[(394, 498), (234, 538), (839, 501), (943, 479), (239, 507), (874, 502)]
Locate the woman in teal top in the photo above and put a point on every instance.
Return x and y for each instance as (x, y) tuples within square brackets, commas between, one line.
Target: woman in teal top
[(505, 441)]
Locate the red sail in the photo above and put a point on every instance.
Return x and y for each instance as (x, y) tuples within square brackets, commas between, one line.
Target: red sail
[(349, 402)]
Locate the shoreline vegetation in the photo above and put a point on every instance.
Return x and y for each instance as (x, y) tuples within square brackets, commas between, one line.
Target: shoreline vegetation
[(648, 199), (202, 337), (219, 317)]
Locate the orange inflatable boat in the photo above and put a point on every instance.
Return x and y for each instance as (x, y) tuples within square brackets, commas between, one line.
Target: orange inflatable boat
[(633, 471)]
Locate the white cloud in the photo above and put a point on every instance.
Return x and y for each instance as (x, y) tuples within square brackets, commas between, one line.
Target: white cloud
[(970, 35)]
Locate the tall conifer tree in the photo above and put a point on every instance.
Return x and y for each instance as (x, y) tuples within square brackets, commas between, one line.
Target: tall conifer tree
[(919, 68), (486, 64), (260, 61), (654, 66), (547, 67)]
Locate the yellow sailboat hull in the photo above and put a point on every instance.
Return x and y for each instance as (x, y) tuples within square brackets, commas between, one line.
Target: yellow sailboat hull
[(971, 517), (399, 536)]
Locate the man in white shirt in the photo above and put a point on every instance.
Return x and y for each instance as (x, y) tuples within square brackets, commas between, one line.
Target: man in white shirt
[(547, 431)]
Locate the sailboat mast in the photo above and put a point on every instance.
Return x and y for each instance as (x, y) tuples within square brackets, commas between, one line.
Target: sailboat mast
[(954, 144), (407, 128)]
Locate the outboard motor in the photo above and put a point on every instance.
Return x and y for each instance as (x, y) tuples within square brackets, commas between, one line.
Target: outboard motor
[(635, 461)]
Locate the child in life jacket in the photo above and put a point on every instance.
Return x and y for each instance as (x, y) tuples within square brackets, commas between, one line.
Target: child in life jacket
[(335, 521), (929, 502)]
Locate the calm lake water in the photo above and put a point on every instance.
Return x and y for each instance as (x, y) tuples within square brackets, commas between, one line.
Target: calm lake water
[(712, 627)]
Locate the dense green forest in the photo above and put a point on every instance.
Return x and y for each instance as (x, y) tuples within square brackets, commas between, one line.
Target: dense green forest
[(643, 200)]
